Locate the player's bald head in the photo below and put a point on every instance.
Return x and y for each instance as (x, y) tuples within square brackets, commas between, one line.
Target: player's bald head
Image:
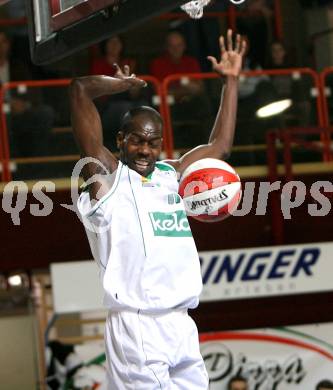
[(143, 113)]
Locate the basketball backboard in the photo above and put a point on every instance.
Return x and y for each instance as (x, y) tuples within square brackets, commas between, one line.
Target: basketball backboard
[(58, 28)]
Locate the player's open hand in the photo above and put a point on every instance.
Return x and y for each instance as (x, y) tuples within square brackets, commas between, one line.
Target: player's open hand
[(126, 75), (230, 63)]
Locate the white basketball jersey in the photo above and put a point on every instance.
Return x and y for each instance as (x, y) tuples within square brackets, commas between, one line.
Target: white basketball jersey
[(140, 236)]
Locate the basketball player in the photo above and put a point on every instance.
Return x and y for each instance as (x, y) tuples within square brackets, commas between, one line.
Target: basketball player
[(148, 260)]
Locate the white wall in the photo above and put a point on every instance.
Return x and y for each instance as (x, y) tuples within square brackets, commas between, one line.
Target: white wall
[(18, 348)]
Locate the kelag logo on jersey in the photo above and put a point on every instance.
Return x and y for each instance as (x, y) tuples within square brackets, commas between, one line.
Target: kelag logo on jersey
[(170, 224)]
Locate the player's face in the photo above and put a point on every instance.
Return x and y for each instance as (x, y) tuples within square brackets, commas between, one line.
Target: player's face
[(141, 145), (238, 385)]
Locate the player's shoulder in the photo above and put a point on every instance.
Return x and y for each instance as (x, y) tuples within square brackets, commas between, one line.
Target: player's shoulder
[(164, 166)]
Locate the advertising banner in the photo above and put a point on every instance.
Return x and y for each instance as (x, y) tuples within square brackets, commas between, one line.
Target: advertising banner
[(289, 358), (269, 359), (266, 271)]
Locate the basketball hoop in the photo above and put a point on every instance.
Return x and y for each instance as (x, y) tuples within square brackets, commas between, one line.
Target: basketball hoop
[(195, 8)]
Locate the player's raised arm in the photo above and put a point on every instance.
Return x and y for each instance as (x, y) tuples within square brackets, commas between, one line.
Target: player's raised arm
[(86, 122), (222, 135)]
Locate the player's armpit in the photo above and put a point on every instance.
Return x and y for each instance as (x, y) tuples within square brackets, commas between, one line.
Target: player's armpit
[(99, 173)]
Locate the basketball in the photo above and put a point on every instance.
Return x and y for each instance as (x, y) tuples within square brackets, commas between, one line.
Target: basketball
[(211, 190)]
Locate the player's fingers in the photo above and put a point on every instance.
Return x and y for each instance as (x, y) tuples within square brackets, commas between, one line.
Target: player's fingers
[(126, 70), (229, 39), (140, 81), (238, 43), (212, 60), (222, 45), (118, 70), (243, 47)]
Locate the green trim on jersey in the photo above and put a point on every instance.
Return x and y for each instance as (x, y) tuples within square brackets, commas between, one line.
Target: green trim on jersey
[(149, 176), (137, 212), (112, 190), (163, 166)]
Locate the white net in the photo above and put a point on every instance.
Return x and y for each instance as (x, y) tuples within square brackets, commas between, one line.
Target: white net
[(195, 8)]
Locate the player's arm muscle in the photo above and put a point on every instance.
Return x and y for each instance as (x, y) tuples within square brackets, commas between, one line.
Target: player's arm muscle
[(85, 118), (87, 127)]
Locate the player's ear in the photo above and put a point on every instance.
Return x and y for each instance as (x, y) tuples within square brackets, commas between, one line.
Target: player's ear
[(120, 139)]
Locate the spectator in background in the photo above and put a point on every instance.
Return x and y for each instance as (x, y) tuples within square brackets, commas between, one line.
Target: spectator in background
[(192, 107), (254, 93), (31, 125), (289, 87), (278, 59), (325, 385), (237, 383), (251, 91), (112, 108), (19, 32), (4, 58), (174, 60), (278, 56), (255, 21), (248, 87), (10, 68), (112, 53), (202, 35)]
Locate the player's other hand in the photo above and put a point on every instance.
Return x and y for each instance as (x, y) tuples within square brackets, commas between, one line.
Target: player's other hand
[(230, 63), (126, 75)]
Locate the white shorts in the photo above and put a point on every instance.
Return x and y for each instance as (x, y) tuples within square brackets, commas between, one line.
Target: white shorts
[(153, 352)]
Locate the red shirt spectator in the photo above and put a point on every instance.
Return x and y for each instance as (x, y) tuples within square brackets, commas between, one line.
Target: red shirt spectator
[(112, 53), (165, 65), (102, 66), (174, 60)]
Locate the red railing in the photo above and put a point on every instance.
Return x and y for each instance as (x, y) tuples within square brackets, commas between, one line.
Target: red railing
[(325, 92), (13, 22), (5, 147), (278, 19), (205, 76), (165, 86), (162, 91), (288, 138), (6, 172)]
